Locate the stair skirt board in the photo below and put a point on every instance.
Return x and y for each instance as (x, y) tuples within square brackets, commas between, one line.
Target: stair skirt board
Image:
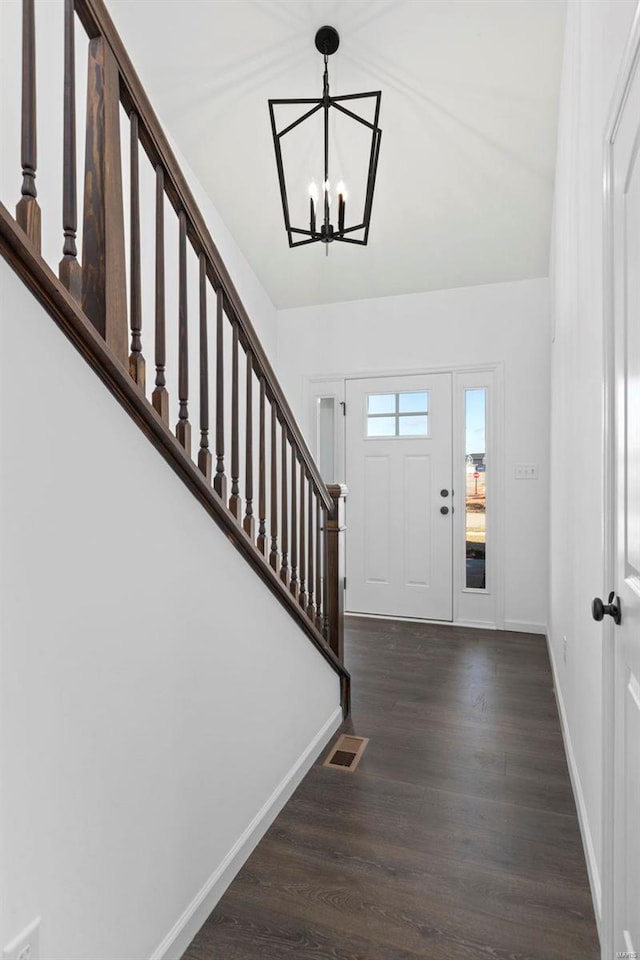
[(184, 930)]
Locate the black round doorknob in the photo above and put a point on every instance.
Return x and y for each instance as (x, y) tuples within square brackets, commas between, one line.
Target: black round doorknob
[(444, 510), (612, 608), (444, 493)]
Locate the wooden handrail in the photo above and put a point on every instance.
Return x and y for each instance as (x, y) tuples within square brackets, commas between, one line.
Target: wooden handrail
[(97, 22), (23, 257)]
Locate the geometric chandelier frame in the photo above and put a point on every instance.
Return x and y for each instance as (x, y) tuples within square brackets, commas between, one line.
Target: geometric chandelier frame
[(320, 228)]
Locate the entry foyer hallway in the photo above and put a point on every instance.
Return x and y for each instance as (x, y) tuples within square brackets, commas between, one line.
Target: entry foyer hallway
[(456, 838)]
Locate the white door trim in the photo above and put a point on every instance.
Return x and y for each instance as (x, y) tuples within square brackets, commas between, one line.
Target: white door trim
[(496, 369), (630, 61)]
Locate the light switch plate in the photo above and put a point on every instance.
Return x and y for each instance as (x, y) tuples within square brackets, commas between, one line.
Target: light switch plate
[(526, 471), (26, 946)]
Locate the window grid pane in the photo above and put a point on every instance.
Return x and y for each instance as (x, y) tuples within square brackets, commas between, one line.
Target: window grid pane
[(381, 403), (413, 402)]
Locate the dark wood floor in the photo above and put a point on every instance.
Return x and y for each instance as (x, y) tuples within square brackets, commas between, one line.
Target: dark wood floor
[(456, 837)]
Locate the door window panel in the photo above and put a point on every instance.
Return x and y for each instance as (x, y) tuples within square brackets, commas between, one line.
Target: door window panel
[(475, 488), (398, 414)]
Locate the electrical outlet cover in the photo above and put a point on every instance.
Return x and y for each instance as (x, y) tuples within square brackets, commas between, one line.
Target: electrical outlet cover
[(26, 945)]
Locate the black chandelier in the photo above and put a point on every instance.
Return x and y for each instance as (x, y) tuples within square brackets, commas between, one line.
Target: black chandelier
[(320, 226)]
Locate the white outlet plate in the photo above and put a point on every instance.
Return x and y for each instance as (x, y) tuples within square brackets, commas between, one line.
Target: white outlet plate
[(526, 471), (26, 945)]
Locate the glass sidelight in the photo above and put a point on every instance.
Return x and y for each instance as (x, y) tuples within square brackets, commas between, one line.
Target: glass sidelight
[(475, 518), (326, 439)]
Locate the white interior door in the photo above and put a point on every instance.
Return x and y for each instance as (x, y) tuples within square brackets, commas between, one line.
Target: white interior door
[(626, 636), (399, 508)]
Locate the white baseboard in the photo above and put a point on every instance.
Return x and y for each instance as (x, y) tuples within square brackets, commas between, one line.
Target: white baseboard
[(583, 820), (186, 927), (524, 626), (517, 626), (476, 624)]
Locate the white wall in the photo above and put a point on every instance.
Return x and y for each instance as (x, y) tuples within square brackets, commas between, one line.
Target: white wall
[(154, 693), (507, 323), (596, 33)]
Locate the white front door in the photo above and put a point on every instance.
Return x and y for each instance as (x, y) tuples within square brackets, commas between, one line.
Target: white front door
[(399, 509), (625, 209)]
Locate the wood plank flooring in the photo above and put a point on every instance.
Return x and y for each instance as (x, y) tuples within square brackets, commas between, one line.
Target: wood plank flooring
[(456, 838)]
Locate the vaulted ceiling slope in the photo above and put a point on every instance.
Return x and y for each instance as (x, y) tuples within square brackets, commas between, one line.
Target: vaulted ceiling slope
[(469, 117)]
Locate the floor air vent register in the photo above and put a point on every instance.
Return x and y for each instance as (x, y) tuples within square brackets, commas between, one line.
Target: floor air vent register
[(346, 752)]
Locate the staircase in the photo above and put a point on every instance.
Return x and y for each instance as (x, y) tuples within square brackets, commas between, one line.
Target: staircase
[(244, 457)]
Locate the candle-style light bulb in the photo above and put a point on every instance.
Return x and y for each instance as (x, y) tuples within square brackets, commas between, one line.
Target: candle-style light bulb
[(313, 201), (342, 197)]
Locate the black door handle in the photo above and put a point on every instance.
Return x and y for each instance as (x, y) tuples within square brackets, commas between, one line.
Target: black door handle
[(444, 493), (444, 510), (611, 609)]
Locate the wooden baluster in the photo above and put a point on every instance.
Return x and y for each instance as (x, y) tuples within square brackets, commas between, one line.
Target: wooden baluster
[(273, 555), (234, 499), (311, 610), (302, 558), (183, 427), (160, 397), (293, 583), (262, 478), (325, 582), (284, 545), (205, 460), (318, 564), (249, 521), (28, 210), (136, 360), (220, 480), (69, 269), (104, 292)]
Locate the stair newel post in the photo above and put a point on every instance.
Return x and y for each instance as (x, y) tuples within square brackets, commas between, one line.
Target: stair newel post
[(205, 460), (311, 610), (136, 359), (273, 554), (249, 521), (104, 293), (319, 552), (69, 269), (160, 396), (28, 212), (334, 570), (302, 553), (293, 583), (284, 545), (220, 480), (234, 499), (183, 427)]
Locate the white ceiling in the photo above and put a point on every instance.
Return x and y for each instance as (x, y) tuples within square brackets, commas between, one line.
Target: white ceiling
[(469, 115)]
